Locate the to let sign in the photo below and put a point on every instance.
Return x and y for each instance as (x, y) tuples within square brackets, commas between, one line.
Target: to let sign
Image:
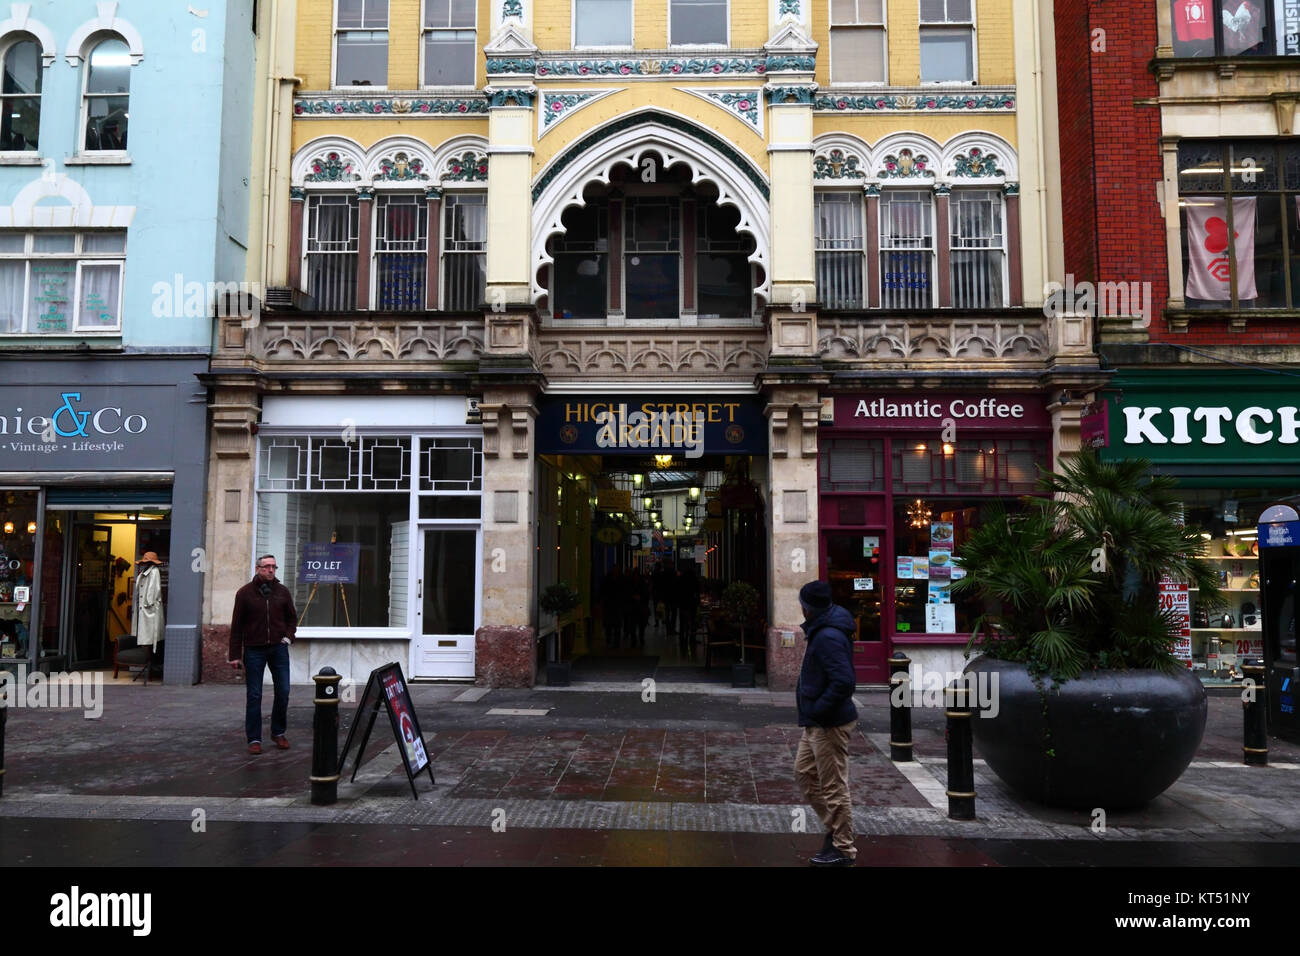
[(329, 563)]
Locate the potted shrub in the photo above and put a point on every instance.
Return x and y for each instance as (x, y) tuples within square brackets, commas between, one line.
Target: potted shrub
[(558, 600), (1094, 708), (739, 603)]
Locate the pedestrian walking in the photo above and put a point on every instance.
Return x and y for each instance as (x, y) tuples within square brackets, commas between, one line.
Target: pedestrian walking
[(688, 603), (262, 627), (638, 608), (613, 597), (827, 716)]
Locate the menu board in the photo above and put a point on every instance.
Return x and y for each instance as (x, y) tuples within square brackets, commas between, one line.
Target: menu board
[(940, 560)]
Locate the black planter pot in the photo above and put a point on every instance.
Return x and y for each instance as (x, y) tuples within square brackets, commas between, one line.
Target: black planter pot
[(1120, 738)]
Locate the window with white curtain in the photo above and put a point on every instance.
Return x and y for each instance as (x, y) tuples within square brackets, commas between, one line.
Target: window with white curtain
[(58, 283), (947, 41), (450, 42), (464, 251), (976, 249), (906, 250), (332, 250), (839, 249), (401, 251), (361, 43), (857, 41), (697, 22), (602, 23)]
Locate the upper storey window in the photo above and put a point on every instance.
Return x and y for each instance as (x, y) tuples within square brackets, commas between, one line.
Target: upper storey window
[(361, 43), (858, 41), (450, 43), (105, 100), (697, 22), (947, 41), (1236, 27), (602, 23), (20, 122)]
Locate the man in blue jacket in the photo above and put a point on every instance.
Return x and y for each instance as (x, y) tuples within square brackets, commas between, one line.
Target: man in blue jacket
[(827, 716)]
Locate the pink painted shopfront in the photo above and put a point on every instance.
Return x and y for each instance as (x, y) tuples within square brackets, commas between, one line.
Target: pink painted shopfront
[(904, 478)]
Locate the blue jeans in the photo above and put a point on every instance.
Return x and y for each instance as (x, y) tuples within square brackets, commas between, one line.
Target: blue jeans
[(256, 659)]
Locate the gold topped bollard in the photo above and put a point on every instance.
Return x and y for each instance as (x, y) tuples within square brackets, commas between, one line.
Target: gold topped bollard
[(325, 739)]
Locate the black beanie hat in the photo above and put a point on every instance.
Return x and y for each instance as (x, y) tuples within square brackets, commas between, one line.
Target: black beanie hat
[(816, 595)]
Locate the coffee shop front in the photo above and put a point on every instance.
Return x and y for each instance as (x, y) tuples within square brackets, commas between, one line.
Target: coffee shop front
[(904, 478)]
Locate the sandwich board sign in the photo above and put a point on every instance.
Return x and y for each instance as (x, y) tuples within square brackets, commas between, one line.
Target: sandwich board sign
[(387, 688)]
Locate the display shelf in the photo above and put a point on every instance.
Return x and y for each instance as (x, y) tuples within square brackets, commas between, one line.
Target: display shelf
[(1223, 630), (1231, 557), (1233, 590)]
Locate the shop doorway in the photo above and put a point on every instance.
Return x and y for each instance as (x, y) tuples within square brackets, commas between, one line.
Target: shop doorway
[(853, 562), (88, 567), (446, 602), (650, 545)]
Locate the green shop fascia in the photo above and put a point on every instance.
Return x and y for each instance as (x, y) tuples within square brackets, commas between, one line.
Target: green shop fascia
[(1232, 439)]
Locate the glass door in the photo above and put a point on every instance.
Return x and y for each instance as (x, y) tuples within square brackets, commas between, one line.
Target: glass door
[(92, 593), (853, 562), (446, 602)]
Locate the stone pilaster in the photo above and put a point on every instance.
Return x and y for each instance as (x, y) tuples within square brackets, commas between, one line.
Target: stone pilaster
[(789, 94), (792, 412), (510, 204), (504, 654)]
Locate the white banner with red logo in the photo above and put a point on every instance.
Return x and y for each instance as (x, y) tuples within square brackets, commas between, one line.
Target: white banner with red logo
[(1207, 248)]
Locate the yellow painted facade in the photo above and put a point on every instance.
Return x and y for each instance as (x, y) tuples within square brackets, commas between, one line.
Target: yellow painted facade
[(940, 127), (368, 132)]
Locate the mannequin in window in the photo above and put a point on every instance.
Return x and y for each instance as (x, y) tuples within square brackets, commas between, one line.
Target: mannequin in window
[(148, 621)]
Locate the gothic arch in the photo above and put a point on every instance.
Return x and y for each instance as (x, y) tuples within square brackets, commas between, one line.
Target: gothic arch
[(107, 22), (1005, 169), (625, 141)]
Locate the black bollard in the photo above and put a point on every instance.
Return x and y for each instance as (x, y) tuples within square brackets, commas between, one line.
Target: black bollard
[(1255, 749), (325, 739), (900, 708), (961, 761), (4, 715)]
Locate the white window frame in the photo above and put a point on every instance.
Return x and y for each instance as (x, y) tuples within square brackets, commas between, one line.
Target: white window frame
[(974, 44), (1004, 249), (861, 249), (573, 30), (334, 47), (96, 258), (84, 120), (421, 206), (724, 45), (932, 249), (831, 25), (426, 30), (444, 252), (308, 221), (7, 43)]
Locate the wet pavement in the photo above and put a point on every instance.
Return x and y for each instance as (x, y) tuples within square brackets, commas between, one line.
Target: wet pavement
[(694, 774)]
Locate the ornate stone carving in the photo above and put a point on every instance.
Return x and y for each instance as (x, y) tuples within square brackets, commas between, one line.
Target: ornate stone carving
[(400, 167), (915, 102), (906, 165), (331, 167), (790, 94), (976, 164), (336, 105), (651, 352), (837, 165), (469, 167), (966, 338), (324, 342)]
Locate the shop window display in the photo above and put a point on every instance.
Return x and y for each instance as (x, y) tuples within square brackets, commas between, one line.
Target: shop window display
[(1225, 634), (17, 551)]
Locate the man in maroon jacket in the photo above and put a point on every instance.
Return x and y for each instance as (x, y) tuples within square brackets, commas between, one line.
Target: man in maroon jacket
[(261, 629)]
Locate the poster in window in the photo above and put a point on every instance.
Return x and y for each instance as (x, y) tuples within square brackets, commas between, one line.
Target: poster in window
[(941, 536), (920, 568), (940, 618), (904, 569), (1208, 268)]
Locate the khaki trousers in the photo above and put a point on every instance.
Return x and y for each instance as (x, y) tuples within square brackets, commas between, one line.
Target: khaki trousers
[(821, 766)]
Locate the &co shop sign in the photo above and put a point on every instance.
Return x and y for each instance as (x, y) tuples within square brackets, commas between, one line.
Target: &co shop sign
[(86, 426), (937, 411), (686, 426)]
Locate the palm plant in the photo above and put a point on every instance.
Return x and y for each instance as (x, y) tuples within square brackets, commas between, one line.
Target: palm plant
[(1077, 575)]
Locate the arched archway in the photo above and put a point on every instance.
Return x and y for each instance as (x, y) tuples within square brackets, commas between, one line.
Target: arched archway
[(628, 141)]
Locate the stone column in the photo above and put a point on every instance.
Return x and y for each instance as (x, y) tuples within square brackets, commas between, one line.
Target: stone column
[(793, 409), (874, 278), (365, 212), (433, 197), (1015, 252), (942, 230), (791, 156), (505, 650), (297, 207), (510, 203)]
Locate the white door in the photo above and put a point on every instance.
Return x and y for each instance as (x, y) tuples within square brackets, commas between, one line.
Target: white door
[(446, 601)]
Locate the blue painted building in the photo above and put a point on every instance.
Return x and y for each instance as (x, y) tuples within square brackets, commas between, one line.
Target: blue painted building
[(124, 211)]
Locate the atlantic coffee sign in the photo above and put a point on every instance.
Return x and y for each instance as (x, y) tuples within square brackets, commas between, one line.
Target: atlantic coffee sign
[(926, 410)]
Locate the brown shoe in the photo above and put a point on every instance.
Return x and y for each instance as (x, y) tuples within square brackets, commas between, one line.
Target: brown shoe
[(281, 742), (255, 748)]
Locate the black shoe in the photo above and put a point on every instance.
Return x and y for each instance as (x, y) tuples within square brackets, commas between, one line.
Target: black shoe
[(832, 858), (828, 844)]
